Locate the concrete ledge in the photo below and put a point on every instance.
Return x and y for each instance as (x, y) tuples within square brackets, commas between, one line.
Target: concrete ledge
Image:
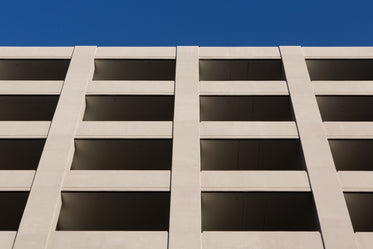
[(16, 180), (243, 88), (364, 239), (248, 130), (24, 129), (136, 52), (130, 129), (52, 87), (36, 52), (7, 239), (255, 181), (239, 53), (343, 87), (108, 240), (363, 130), (361, 181), (131, 87), (126, 180), (337, 52), (262, 240)]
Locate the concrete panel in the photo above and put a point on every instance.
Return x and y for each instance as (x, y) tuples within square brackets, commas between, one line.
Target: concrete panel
[(254, 181), (361, 181), (31, 87), (136, 52), (363, 130), (24, 129), (239, 53), (243, 88), (337, 52), (248, 130), (108, 240), (365, 240), (19, 180), (124, 129), (336, 227), (39, 217), (36, 52), (108, 180), (262, 240), (343, 87), (7, 239), (130, 87), (185, 212)]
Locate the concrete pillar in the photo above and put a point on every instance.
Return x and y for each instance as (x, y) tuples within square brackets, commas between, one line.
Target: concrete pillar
[(185, 210), (41, 212), (336, 227)]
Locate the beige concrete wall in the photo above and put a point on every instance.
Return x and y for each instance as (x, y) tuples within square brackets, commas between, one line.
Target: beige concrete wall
[(185, 181)]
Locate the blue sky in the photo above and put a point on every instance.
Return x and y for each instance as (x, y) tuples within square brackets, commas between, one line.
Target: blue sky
[(171, 23)]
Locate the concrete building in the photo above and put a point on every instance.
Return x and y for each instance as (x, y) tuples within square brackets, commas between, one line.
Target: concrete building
[(186, 148)]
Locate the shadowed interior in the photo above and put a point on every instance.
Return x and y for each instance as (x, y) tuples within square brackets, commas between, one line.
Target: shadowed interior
[(122, 154), (12, 205), (216, 70), (245, 108), (251, 154), (114, 211), (258, 211), (360, 208), (33, 69)]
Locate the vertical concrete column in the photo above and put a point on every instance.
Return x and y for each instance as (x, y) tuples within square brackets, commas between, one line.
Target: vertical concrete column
[(336, 227), (185, 212), (41, 211)]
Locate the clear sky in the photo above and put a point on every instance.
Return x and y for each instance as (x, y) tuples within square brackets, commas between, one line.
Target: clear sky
[(173, 22)]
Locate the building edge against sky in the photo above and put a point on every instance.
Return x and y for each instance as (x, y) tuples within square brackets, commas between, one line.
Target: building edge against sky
[(186, 147)]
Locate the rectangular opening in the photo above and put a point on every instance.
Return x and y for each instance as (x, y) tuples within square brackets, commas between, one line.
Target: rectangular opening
[(230, 70), (245, 108), (352, 154), (33, 69), (346, 108), (258, 211), (20, 154), (360, 207), (122, 154), (134, 69), (27, 107), (114, 211), (336, 69), (129, 108), (251, 154), (12, 205)]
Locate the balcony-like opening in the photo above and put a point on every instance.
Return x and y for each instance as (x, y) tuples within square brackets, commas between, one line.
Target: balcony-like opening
[(360, 207), (20, 154), (12, 205), (129, 108), (352, 154), (33, 69), (337, 69), (114, 211), (134, 69), (346, 108), (231, 70), (258, 211), (122, 154), (27, 107), (251, 154), (245, 108)]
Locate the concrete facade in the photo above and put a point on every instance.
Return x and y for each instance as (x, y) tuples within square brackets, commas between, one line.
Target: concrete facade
[(258, 116)]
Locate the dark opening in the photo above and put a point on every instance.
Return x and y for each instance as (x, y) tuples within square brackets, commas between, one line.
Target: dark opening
[(27, 107), (122, 154), (251, 154), (33, 69), (346, 108), (229, 70), (112, 211), (360, 207), (12, 205), (258, 211), (132, 69), (245, 108), (129, 108), (20, 154), (334, 69)]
